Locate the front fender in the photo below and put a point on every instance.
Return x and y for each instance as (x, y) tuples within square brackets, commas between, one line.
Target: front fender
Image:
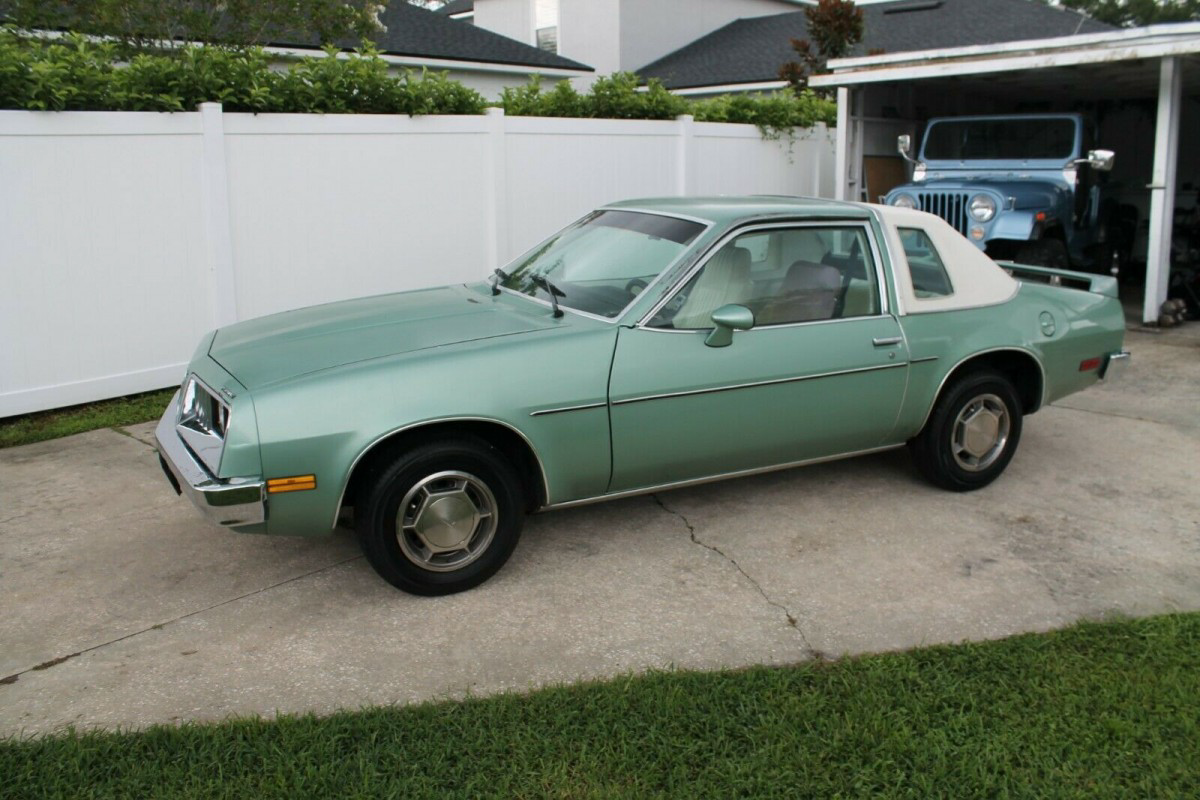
[(1015, 225)]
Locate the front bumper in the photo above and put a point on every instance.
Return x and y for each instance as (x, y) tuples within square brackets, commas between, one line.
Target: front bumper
[(229, 502), (1114, 365)]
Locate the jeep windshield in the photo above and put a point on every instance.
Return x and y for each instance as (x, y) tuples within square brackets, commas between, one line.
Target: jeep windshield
[(1027, 139), (601, 263)]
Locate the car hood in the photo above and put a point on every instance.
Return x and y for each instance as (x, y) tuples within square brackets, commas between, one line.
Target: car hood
[(1027, 193), (263, 351)]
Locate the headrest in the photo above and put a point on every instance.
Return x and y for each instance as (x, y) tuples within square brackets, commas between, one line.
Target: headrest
[(807, 275)]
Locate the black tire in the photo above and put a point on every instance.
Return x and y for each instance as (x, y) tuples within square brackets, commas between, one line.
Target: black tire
[(938, 449), (1050, 253), (471, 472)]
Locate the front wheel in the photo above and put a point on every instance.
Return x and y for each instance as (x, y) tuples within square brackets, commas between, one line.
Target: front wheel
[(972, 433), (442, 518)]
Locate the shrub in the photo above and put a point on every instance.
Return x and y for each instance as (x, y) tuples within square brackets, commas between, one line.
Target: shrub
[(78, 73), (81, 73), (619, 97), (774, 114)]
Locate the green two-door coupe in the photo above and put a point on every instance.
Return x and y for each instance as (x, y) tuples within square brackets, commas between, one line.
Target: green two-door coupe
[(652, 344)]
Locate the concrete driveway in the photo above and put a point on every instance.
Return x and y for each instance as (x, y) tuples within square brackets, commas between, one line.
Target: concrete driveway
[(118, 607)]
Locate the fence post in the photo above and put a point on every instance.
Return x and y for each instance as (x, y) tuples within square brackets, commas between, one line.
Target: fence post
[(683, 161), (217, 223), (496, 188)]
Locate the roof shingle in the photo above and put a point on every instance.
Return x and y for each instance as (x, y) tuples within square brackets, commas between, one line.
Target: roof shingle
[(752, 50), (413, 31)]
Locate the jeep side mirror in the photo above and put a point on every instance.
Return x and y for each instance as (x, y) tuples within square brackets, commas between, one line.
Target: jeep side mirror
[(726, 320), (1099, 160), (904, 146)]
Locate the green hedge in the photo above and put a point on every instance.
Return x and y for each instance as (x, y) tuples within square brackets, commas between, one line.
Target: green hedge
[(618, 97), (77, 73)]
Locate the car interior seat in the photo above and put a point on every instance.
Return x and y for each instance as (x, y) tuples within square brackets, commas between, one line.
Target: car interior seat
[(725, 279)]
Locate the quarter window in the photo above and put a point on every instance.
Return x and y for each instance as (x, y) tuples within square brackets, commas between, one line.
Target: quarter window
[(784, 275), (929, 278)]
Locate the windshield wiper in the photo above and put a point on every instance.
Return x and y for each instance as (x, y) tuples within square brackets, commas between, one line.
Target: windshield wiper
[(551, 290), (497, 276)]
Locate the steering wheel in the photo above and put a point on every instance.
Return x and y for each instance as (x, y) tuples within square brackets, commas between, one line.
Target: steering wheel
[(635, 287)]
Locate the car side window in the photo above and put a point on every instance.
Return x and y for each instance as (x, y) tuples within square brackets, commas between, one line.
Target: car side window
[(929, 277), (783, 275)]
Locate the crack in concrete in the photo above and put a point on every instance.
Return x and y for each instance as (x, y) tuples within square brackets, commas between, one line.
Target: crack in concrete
[(1062, 405), (10, 679), (137, 439), (791, 619)]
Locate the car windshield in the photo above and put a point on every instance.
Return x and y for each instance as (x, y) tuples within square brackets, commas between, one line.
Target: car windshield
[(599, 264), (1000, 139)]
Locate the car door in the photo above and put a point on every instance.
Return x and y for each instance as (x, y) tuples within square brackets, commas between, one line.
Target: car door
[(822, 371)]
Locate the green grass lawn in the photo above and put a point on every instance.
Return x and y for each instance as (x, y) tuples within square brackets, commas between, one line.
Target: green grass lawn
[(1099, 710), (77, 419)]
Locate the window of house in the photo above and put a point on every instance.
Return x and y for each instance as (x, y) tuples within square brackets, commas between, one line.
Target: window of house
[(784, 275), (545, 24), (929, 277)]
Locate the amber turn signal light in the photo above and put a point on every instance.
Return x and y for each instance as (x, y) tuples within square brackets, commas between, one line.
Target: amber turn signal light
[(296, 483)]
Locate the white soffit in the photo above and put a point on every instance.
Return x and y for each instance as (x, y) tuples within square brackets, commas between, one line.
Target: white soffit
[(1130, 44)]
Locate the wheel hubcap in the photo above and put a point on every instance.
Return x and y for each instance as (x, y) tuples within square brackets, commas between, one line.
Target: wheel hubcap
[(446, 521), (980, 432)]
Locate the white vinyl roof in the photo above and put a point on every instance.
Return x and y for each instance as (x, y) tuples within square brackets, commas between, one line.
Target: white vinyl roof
[(976, 279)]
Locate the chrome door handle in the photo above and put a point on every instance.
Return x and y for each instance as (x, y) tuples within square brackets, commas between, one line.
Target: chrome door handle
[(886, 341)]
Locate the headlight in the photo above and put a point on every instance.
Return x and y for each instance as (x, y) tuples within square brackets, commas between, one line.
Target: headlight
[(904, 201), (983, 207)]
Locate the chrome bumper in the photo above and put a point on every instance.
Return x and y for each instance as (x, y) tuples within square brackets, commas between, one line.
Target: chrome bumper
[(1114, 365), (235, 501)]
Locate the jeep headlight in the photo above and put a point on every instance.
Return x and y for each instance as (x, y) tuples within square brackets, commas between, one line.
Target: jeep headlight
[(982, 207), (904, 201)]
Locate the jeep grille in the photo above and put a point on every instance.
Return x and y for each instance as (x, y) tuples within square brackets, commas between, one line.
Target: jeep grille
[(950, 206)]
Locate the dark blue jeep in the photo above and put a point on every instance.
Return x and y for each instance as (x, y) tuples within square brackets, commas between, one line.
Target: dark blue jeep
[(1016, 186)]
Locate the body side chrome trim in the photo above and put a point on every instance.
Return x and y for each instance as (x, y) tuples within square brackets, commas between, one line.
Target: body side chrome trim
[(426, 423), (965, 359), (750, 227), (773, 382), (713, 478), (543, 412), (922, 360)]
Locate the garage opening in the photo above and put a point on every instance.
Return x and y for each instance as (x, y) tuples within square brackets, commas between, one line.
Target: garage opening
[(1133, 92)]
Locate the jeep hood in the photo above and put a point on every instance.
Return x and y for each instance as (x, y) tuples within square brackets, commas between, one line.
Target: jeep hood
[(1029, 194), (263, 351)]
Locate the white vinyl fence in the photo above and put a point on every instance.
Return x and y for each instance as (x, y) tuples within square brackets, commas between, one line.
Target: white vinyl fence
[(125, 236)]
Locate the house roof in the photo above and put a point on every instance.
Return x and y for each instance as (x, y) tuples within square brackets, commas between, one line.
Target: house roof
[(752, 50), (414, 31)]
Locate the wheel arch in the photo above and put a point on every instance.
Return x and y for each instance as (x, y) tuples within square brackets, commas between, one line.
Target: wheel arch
[(1022, 367), (510, 441)]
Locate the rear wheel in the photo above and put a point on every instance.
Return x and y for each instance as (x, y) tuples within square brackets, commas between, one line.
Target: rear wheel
[(972, 433), (442, 517)]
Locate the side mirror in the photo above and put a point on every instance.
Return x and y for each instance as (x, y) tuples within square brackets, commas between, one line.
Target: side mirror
[(1099, 160), (904, 147), (726, 320)]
